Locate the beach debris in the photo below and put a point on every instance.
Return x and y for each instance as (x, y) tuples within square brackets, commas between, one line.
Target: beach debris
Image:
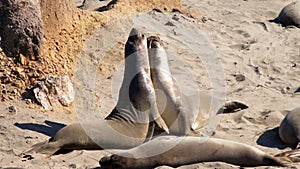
[(53, 90)]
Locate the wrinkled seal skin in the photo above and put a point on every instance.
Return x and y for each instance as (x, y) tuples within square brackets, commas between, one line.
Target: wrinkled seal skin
[(290, 15), (189, 150), (128, 123)]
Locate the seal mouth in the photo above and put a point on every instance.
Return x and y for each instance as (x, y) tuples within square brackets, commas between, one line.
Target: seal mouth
[(153, 42)]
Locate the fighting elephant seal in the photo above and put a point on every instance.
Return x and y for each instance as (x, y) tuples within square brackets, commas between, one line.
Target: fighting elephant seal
[(189, 150), (177, 110), (290, 15), (168, 95), (127, 125)]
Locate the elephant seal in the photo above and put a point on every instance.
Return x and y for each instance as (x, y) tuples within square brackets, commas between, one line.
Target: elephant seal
[(289, 129), (168, 95), (290, 15), (289, 132), (128, 124), (177, 110), (190, 150)]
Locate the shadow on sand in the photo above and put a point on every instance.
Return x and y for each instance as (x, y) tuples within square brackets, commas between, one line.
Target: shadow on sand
[(50, 129), (270, 138)]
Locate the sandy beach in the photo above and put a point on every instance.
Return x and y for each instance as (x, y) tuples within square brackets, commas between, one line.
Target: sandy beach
[(230, 50)]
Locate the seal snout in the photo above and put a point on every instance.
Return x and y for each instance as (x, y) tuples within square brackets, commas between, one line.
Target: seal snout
[(153, 42), (135, 35), (135, 42)]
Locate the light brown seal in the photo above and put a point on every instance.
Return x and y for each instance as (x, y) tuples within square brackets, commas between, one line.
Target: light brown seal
[(290, 15), (168, 95), (289, 129), (175, 107), (189, 150), (289, 132), (127, 125)]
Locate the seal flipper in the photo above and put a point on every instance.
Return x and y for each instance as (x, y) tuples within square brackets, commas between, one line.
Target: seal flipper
[(154, 113), (290, 154), (150, 131), (162, 124), (46, 147)]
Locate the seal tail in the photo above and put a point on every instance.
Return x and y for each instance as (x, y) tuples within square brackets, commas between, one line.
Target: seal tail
[(46, 147), (277, 161)]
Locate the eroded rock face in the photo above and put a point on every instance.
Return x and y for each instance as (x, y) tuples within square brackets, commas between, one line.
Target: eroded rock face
[(21, 27), (54, 90)]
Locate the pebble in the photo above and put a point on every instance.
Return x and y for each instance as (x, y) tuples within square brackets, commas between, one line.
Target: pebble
[(12, 109), (240, 77)]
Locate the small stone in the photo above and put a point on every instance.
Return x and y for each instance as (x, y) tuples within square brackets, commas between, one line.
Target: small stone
[(284, 91), (240, 77), (6, 79), (12, 109), (72, 165), (28, 101), (169, 23), (19, 84), (22, 59)]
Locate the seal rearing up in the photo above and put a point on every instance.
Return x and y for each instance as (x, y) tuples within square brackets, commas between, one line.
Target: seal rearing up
[(128, 124), (176, 108), (168, 95)]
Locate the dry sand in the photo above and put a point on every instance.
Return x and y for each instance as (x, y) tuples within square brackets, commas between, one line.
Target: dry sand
[(247, 44)]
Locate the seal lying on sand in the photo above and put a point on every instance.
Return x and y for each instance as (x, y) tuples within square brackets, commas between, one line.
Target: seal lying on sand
[(289, 132), (290, 15), (189, 150), (176, 109), (128, 123)]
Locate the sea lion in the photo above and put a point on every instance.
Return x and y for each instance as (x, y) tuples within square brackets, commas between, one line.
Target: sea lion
[(289, 132), (176, 108), (290, 15), (189, 150), (128, 123)]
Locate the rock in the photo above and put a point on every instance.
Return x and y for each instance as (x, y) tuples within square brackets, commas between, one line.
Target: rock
[(91, 5), (65, 91), (53, 90), (12, 109), (240, 77), (22, 59), (21, 27)]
